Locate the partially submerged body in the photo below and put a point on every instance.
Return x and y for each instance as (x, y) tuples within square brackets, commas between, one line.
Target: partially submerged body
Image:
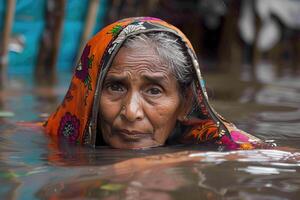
[(138, 85)]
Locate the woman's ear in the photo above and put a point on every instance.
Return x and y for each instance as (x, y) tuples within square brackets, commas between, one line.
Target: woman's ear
[(186, 105)]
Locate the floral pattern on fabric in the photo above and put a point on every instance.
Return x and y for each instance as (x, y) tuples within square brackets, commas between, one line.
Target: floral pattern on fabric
[(135, 26), (116, 30), (201, 103), (82, 70), (228, 143), (69, 95), (205, 131), (237, 136), (231, 144), (69, 127)]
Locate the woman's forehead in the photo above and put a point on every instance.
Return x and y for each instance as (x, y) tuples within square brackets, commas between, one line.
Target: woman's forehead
[(139, 60), (140, 72), (141, 77)]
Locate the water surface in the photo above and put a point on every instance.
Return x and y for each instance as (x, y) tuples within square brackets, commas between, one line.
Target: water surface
[(33, 167)]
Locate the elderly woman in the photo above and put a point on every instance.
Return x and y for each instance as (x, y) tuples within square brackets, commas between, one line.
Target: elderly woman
[(138, 85)]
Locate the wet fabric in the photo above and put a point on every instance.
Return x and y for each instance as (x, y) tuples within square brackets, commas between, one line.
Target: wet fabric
[(75, 120)]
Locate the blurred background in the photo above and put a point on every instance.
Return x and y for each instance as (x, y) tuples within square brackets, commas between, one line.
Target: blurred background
[(249, 52), (44, 37)]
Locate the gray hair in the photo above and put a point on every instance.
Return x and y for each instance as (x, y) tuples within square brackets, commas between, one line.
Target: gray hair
[(171, 50)]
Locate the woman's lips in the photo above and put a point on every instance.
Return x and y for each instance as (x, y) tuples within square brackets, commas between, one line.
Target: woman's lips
[(132, 135)]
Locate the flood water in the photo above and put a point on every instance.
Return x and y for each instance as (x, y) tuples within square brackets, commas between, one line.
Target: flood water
[(33, 167)]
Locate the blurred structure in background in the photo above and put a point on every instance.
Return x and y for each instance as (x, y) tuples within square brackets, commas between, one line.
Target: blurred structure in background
[(5, 35), (253, 40), (37, 25), (50, 42), (272, 30)]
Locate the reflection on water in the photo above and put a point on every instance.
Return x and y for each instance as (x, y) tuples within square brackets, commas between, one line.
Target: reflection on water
[(32, 166)]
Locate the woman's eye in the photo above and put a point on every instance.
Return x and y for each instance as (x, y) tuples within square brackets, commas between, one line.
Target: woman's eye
[(154, 91), (115, 87)]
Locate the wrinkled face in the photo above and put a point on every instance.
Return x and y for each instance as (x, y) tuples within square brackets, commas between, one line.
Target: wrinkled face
[(140, 100)]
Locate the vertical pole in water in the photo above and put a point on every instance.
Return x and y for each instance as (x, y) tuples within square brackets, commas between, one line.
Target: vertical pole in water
[(255, 51), (229, 53), (45, 70), (90, 20), (9, 17)]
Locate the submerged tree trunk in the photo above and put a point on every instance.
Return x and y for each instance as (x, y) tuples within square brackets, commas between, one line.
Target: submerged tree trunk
[(45, 71), (8, 22)]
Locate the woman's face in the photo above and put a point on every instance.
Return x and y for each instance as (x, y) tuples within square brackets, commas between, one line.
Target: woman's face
[(140, 101)]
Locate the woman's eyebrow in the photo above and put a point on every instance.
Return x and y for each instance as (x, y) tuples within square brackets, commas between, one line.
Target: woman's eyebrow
[(159, 79), (115, 78)]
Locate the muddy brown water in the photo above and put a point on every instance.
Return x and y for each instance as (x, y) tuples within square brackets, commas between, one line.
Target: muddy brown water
[(32, 167)]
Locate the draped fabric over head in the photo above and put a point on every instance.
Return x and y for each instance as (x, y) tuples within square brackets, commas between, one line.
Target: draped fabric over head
[(76, 118)]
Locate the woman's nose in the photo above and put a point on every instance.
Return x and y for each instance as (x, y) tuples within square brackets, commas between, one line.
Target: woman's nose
[(132, 108)]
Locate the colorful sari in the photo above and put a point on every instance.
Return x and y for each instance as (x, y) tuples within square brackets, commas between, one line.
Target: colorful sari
[(75, 120)]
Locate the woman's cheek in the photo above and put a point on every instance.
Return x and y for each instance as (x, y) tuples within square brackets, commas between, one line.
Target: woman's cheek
[(109, 108)]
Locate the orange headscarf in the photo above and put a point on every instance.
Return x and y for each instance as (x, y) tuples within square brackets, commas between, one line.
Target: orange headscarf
[(76, 118)]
